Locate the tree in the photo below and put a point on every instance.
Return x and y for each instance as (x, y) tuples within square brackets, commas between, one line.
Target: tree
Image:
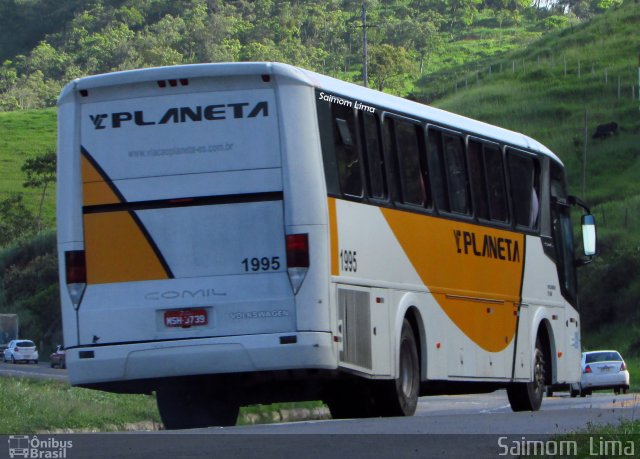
[(16, 221), (388, 64), (41, 171)]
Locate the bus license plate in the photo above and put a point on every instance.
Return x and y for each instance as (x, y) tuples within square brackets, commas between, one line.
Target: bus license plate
[(186, 318)]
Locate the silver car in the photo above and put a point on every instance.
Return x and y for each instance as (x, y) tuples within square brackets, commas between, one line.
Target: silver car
[(21, 350), (602, 370)]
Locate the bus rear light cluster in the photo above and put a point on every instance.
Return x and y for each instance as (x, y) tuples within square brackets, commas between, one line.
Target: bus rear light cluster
[(297, 259), (76, 275)]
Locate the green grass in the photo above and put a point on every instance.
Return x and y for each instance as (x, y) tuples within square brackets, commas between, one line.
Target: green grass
[(30, 406), (622, 440), (23, 135)]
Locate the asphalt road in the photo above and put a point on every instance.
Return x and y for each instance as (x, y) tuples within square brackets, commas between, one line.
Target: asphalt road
[(42, 370), (444, 426)]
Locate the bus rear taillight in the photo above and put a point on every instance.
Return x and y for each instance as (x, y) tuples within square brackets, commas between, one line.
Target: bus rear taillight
[(76, 272), (297, 259)]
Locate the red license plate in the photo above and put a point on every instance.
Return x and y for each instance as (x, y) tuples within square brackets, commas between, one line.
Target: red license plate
[(186, 318)]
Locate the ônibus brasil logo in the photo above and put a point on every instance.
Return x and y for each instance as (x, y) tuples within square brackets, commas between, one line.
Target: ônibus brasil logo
[(34, 447), (182, 115)]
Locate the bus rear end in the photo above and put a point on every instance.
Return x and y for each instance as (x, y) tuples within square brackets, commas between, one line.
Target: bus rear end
[(175, 249)]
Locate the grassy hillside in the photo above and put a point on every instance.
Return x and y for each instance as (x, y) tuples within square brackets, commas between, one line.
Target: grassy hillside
[(23, 135), (539, 99)]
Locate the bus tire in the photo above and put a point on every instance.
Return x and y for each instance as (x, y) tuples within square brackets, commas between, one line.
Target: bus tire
[(528, 396), (192, 407), (400, 396)]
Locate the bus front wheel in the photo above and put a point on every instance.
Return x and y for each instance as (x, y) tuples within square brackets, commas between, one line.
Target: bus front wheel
[(192, 406), (528, 396)]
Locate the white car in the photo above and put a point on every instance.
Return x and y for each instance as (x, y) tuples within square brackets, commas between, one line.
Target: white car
[(21, 350), (602, 370)]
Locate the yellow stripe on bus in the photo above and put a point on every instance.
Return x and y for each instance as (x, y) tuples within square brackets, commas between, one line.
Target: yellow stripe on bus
[(333, 234), (117, 250), (95, 189), (474, 272)]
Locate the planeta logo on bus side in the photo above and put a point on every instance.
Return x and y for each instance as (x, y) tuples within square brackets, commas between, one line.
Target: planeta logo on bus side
[(182, 115), (501, 248)]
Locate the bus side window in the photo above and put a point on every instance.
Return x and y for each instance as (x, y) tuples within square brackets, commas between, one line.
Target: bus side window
[(346, 149), (436, 169), (478, 179), (373, 156), (325, 125), (524, 189), (456, 174), (412, 177), (497, 194)]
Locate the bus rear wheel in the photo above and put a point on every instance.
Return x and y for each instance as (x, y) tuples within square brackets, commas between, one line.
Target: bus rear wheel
[(528, 396), (400, 396), (192, 406)]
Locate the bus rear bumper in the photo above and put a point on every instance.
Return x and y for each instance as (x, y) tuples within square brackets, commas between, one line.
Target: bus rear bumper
[(234, 354)]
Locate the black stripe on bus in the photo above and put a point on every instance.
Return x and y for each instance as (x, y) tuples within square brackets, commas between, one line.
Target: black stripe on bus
[(149, 341), (123, 206), (152, 244), (515, 339), (186, 202), (102, 174)]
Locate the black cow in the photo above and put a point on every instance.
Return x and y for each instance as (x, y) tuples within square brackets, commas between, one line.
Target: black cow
[(605, 130)]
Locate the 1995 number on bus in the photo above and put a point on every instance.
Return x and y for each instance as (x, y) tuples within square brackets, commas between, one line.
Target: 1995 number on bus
[(348, 261)]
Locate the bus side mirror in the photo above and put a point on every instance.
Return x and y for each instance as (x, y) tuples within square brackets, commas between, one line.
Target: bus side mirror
[(589, 235)]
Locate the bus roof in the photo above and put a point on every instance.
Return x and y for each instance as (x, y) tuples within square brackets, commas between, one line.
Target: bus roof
[(319, 81)]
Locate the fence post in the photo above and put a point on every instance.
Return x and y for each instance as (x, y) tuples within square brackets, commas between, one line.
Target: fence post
[(618, 87), (606, 76), (513, 67), (626, 216), (579, 76), (564, 57)]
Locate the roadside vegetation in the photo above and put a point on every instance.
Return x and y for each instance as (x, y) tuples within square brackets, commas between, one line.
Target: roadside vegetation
[(37, 406)]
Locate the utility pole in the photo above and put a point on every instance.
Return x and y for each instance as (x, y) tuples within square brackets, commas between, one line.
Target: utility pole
[(584, 157), (365, 73)]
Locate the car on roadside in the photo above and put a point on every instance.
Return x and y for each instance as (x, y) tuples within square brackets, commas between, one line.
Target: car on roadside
[(602, 370), (57, 359), (21, 350)]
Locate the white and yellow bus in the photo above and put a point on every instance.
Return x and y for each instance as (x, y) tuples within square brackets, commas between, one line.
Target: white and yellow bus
[(253, 232)]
